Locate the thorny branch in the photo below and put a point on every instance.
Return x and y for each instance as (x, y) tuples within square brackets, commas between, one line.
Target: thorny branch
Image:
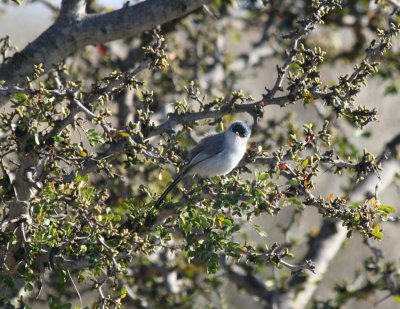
[(335, 97), (333, 234)]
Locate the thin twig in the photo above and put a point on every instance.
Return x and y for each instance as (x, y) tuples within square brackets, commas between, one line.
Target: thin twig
[(76, 288)]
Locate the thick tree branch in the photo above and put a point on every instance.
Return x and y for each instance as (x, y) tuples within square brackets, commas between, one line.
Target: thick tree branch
[(65, 36), (72, 9)]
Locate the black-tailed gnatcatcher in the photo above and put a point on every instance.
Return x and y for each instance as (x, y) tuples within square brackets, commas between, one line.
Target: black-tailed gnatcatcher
[(214, 155)]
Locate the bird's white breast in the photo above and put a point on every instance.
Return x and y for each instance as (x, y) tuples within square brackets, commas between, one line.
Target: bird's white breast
[(225, 161)]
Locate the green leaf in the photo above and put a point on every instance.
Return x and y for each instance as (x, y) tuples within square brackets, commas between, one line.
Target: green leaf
[(20, 97), (234, 228), (228, 222), (297, 203), (8, 281), (123, 293), (387, 209), (29, 286), (145, 189), (391, 89), (396, 299), (58, 138), (263, 176), (94, 137), (304, 163), (377, 232), (363, 133), (204, 222), (217, 4), (82, 249), (259, 231), (83, 178)]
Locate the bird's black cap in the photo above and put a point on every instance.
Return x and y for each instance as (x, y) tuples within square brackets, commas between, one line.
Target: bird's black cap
[(240, 128)]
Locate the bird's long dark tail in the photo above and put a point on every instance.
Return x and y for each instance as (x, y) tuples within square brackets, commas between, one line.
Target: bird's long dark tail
[(177, 179)]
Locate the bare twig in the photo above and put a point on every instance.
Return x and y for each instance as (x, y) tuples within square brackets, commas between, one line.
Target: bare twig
[(49, 4), (310, 265), (75, 287)]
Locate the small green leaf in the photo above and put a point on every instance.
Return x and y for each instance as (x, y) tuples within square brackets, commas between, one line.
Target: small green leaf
[(304, 163), (94, 137), (228, 222), (387, 209), (20, 97), (58, 138), (29, 287), (82, 249), (297, 203), (363, 133), (234, 228), (377, 232), (391, 89), (263, 176), (145, 189), (396, 299), (259, 231), (123, 293)]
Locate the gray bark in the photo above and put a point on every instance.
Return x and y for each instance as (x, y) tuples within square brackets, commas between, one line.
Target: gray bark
[(73, 31)]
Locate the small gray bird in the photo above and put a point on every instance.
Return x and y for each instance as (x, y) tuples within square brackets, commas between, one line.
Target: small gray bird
[(214, 155)]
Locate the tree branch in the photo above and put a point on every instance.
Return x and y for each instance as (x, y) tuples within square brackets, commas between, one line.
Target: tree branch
[(72, 9), (332, 233), (65, 37)]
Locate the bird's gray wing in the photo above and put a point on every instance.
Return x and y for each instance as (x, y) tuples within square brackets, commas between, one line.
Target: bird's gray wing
[(206, 148)]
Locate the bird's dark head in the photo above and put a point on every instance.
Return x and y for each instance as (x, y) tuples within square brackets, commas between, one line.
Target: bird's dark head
[(240, 129)]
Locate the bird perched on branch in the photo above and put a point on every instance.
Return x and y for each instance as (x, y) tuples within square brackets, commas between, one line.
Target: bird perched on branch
[(214, 155)]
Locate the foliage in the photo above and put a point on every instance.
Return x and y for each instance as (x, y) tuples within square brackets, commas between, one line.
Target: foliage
[(87, 147)]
